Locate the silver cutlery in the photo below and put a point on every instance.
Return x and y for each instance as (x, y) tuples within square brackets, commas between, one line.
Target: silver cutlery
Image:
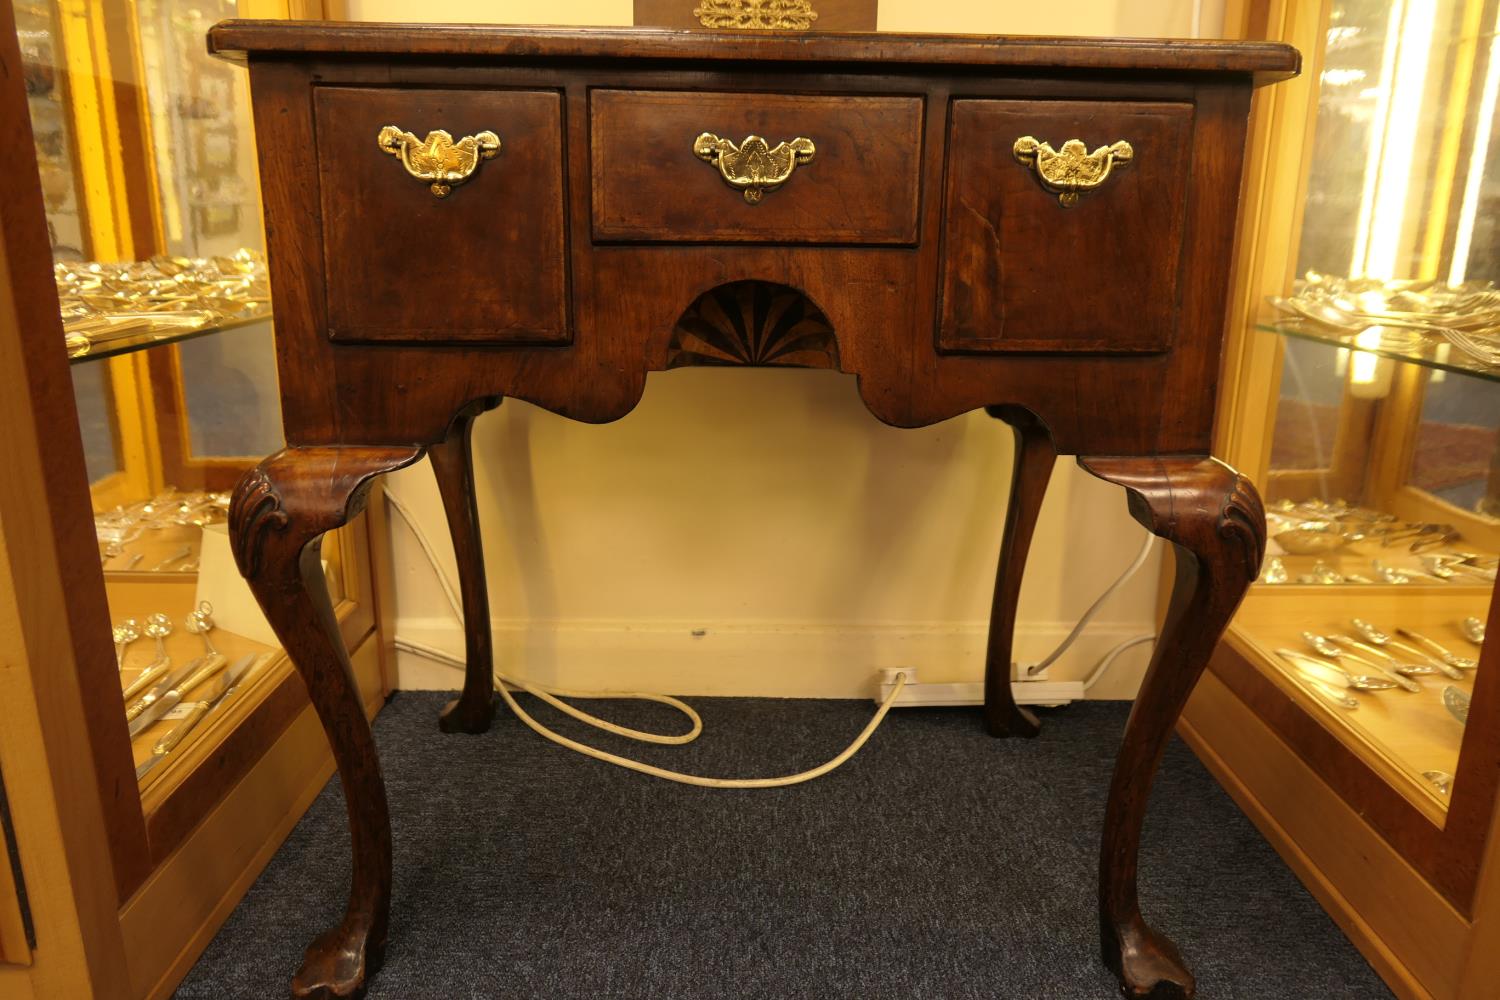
[(158, 627), (1276, 571), (1457, 703), (1335, 651), (1376, 637), (224, 688), (1473, 630), (1340, 676), (1438, 649), (200, 622), (148, 677), (1423, 669), (124, 634), (211, 665), (151, 697)]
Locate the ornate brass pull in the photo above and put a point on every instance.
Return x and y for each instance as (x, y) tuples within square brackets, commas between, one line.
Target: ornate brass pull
[(754, 166), (1073, 169), (437, 159)]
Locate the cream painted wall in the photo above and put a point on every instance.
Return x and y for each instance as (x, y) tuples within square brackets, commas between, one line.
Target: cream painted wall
[(757, 532)]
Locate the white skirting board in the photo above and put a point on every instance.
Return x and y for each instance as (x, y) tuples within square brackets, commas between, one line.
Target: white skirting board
[(764, 659)]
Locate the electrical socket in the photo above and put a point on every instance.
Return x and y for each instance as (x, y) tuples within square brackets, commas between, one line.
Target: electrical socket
[(888, 674), (1020, 671)]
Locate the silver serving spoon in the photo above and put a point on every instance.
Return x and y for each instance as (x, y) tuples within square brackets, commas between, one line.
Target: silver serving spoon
[(200, 622), (1347, 642), (1333, 651), (1441, 780), (1422, 669), (1355, 682), (124, 634), (1473, 630), (1457, 703), (158, 627), (1376, 637), (1438, 650)]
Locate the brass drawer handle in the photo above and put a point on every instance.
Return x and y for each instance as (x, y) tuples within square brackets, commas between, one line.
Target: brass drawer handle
[(437, 159), (754, 166), (1073, 169)]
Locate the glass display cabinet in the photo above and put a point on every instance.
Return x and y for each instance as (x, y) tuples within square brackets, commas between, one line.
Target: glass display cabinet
[(1354, 707), (199, 732)]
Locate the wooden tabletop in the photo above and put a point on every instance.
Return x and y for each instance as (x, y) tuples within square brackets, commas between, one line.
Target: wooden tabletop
[(1267, 61)]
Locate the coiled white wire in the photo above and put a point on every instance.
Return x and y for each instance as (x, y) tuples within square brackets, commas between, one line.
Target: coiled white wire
[(553, 696)]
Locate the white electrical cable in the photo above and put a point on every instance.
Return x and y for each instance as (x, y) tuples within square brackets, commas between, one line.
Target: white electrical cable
[(1088, 616), (1109, 658), (551, 696)]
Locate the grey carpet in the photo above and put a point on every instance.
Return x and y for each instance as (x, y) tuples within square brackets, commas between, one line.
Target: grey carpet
[(938, 863)]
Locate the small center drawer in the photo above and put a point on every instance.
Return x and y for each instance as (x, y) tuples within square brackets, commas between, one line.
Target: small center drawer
[(859, 184)]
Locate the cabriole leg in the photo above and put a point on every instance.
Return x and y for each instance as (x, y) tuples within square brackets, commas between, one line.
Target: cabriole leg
[(278, 516), (1213, 517), (1034, 458), (453, 465)]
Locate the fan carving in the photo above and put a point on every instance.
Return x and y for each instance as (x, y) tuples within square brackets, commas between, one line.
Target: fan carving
[(755, 323)]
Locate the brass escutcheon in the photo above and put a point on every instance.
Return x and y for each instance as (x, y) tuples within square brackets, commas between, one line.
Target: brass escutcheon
[(1069, 171), (439, 160), (754, 166)]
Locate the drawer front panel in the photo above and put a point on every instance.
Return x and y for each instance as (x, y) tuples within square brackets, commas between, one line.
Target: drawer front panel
[(485, 262), (858, 186), (1030, 266)]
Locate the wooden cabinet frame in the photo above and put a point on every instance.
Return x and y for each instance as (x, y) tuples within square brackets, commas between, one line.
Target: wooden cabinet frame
[(123, 889), (1416, 889)]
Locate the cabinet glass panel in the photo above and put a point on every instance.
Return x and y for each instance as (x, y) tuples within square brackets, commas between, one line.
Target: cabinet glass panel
[(148, 176), (1382, 490)]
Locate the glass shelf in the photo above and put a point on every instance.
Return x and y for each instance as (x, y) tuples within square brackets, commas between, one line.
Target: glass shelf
[(139, 334), (1431, 352)]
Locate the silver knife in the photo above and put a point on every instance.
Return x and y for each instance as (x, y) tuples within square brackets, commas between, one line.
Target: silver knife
[(212, 664), (145, 701), (228, 683)]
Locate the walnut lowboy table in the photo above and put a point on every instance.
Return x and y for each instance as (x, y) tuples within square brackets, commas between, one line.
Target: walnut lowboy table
[(1040, 227)]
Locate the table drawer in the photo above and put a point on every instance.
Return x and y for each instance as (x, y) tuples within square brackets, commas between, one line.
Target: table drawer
[(852, 180), (413, 259), (1035, 260)]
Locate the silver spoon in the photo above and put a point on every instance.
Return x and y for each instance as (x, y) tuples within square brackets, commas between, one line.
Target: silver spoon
[(1457, 703), (200, 622), (1375, 637), (1355, 682), (1327, 689), (1347, 643), (1327, 648), (1441, 780), (1473, 630), (1438, 650), (158, 627), (124, 634)]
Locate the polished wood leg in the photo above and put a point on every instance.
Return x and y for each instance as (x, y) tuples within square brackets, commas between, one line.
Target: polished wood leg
[(279, 513), (1034, 457), (1213, 517), (453, 464)]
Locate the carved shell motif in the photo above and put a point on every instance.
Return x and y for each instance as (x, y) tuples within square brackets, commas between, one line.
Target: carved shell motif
[(1243, 520), (753, 323), (254, 510)]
